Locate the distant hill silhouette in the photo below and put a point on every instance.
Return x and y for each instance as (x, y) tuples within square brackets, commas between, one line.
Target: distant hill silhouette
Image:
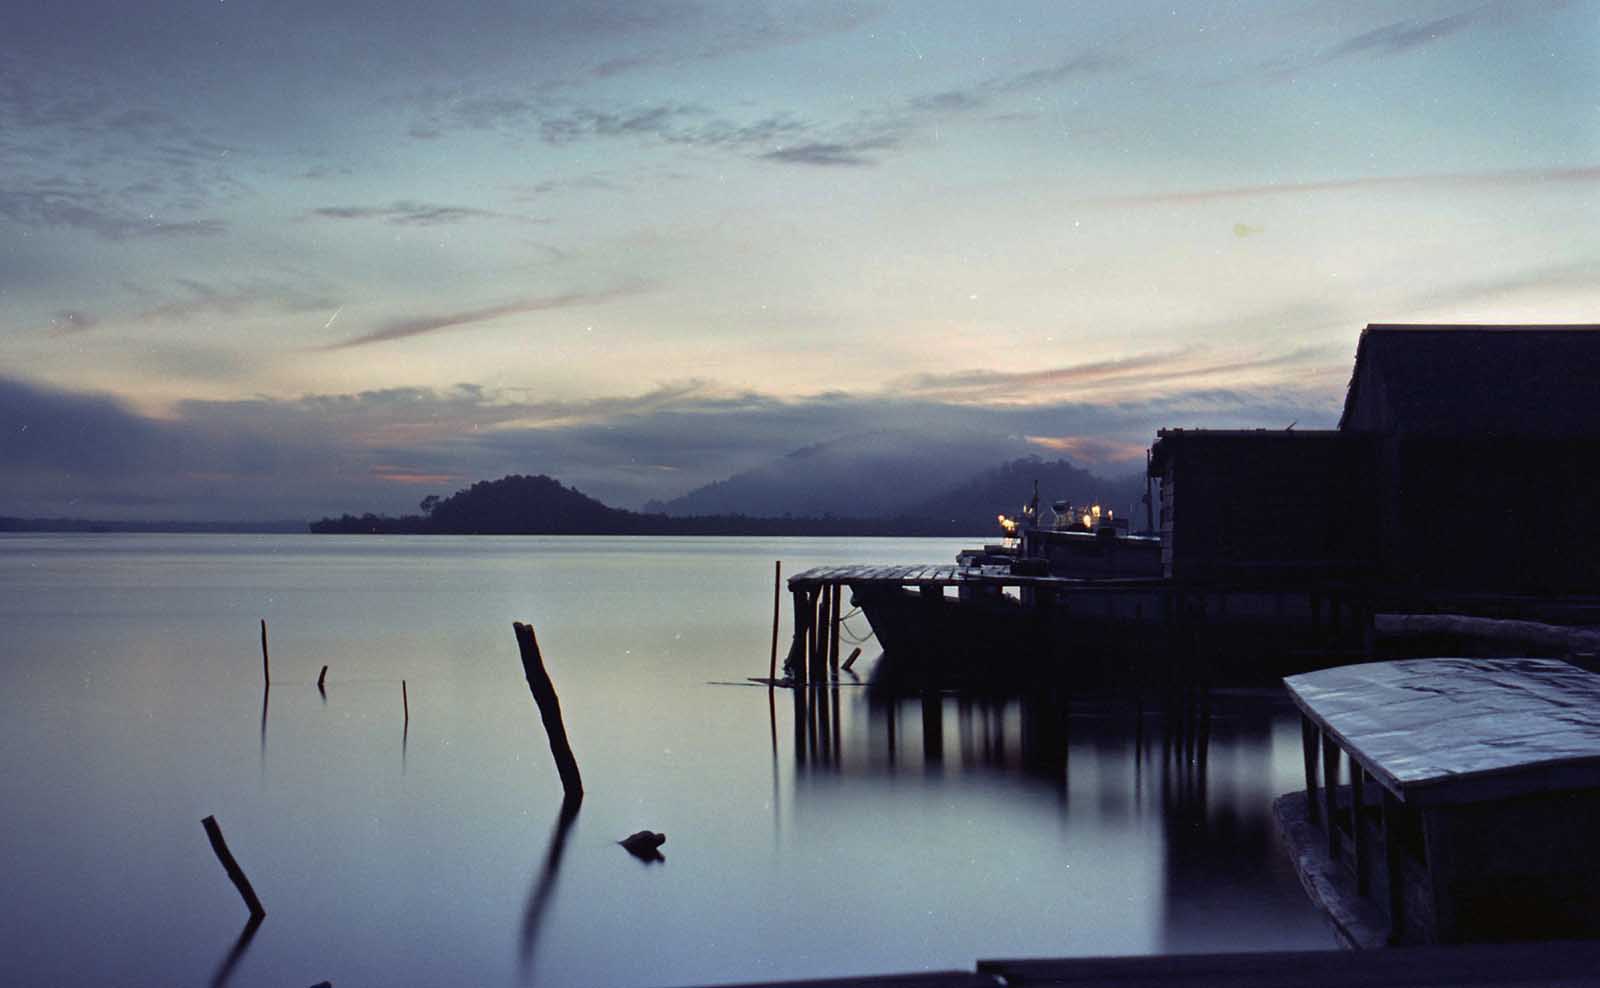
[(540, 505), (870, 475)]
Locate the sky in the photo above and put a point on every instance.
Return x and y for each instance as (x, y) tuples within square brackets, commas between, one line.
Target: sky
[(292, 258)]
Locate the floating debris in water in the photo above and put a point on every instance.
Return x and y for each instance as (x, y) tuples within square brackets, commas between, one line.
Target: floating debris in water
[(645, 845)]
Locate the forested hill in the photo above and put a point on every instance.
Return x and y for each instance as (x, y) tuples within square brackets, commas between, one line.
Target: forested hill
[(540, 505)]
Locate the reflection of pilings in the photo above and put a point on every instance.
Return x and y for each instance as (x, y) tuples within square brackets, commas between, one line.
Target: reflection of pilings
[(1186, 743), (231, 959), (837, 730), (802, 716), (932, 728), (1044, 736), (824, 728), (892, 721), (539, 896)]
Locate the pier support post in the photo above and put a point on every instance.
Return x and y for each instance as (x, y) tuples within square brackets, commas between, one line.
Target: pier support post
[(1393, 869), (1330, 793), (817, 613), (1308, 747), (544, 694), (1363, 854), (798, 657), (833, 632)]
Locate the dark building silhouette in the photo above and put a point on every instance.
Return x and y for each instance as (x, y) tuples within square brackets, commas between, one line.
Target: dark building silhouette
[(1484, 437), (1459, 467), (1258, 506)]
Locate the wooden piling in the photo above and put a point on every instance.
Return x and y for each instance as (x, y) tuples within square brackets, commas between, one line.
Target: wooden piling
[(405, 702), (777, 588), (544, 694), (798, 657), (833, 630), (240, 882), (266, 667)]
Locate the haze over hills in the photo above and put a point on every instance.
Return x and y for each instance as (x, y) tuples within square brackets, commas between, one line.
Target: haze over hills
[(542, 505), (869, 475), (973, 505)]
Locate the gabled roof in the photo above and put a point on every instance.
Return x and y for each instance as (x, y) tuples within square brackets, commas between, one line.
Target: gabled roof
[(1491, 381)]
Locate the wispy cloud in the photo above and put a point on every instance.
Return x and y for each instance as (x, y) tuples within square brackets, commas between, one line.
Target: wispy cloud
[(70, 322), (193, 298), (399, 329), (1110, 380), (83, 206), (406, 212), (1512, 178), (982, 94), (1403, 36), (830, 153)]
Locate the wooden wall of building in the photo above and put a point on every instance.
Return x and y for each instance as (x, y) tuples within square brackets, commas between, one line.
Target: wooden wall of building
[(1266, 505)]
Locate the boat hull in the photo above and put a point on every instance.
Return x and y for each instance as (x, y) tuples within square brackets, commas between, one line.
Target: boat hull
[(1115, 635)]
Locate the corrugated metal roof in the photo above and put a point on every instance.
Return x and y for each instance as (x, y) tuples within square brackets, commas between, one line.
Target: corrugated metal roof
[(1460, 730)]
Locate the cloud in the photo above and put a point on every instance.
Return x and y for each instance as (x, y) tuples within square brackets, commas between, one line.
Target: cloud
[(197, 299), (983, 93), (1109, 379), (69, 322), (406, 212), (1511, 178), (827, 154), (83, 206), (1403, 36), (399, 329), (1090, 449), (265, 457)]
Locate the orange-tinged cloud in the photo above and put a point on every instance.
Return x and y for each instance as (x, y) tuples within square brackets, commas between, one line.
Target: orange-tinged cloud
[(1090, 449)]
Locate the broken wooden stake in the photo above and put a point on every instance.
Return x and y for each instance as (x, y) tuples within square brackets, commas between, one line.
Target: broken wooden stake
[(322, 677), (544, 694), (231, 866), (854, 655), (266, 667)]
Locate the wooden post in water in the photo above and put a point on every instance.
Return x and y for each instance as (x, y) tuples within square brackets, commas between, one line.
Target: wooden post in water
[(777, 587), (819, 635), (855, 654), (266, 667), (833, 631), (229, 865), (322, 677), (797, 650), (405, 702), (544, 694)]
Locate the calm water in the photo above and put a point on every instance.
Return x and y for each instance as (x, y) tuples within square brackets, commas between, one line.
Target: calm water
[(894, 838)]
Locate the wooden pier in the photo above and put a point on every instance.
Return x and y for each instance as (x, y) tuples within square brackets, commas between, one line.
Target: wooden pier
[(1219, 632)]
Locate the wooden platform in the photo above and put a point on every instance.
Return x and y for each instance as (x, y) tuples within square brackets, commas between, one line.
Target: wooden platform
[(1571, 964), (946, 576)]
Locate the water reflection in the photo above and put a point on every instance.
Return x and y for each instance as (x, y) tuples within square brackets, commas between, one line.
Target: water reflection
[(539, 895), (231, 959), (1121, 763), (266, 692)]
